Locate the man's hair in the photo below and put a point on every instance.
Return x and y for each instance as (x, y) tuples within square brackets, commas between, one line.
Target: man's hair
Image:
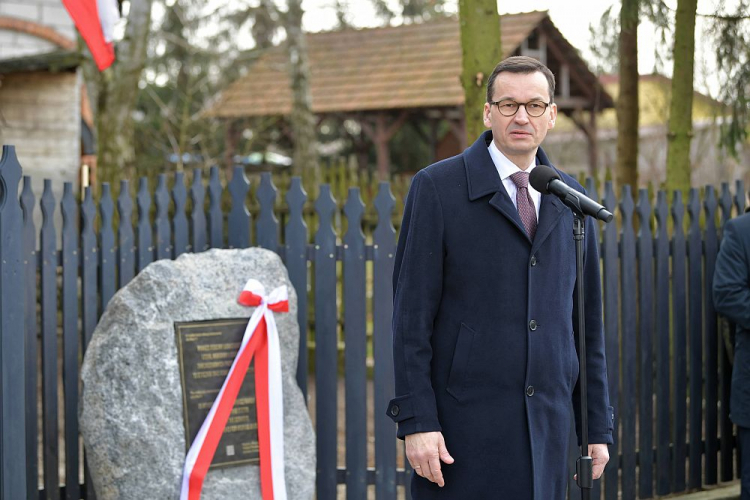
[(524, 65)]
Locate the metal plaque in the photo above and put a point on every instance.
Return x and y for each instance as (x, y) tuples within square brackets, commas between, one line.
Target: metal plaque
[(206, 350)]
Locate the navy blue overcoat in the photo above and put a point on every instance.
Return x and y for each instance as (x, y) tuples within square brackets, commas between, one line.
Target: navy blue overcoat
[(484, 332), (732, 299)]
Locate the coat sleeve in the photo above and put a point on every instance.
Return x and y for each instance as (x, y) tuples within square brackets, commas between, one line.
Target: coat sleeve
[(600, 413), (731, 285), (417, 286)]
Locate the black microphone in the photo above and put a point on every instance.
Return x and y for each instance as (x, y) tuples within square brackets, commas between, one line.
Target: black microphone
[(545, 180)]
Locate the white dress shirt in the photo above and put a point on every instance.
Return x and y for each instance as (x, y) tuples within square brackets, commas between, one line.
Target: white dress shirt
[(506, 168)]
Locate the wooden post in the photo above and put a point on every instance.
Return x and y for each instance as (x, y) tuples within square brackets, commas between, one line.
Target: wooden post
[(12, 353), (381, 134), (382, 150), (593, 145), (434, 124), (231, 137), (589, 130)]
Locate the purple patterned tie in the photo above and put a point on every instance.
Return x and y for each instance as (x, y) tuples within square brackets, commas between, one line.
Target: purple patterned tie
[(524, 203)]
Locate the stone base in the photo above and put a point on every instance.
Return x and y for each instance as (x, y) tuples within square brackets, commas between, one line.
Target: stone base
[(131, 413)]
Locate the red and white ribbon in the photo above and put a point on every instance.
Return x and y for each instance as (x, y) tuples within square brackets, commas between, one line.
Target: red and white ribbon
[(261, 339)]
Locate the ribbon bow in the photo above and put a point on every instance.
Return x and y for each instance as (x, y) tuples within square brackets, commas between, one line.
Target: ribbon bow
[(262, 339), (253, 295)]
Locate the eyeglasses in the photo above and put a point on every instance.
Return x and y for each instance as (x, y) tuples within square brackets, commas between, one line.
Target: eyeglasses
[(509, 107)]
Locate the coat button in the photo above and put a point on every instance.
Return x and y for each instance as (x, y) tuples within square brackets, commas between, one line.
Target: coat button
[(394, 410), (533, 261), (530, 390), (532, 325)]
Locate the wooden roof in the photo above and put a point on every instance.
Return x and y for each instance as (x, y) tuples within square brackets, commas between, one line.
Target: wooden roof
[(56, 61), (407, 66)]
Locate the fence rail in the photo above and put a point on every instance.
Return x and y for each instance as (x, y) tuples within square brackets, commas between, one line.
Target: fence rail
[(668, 367)]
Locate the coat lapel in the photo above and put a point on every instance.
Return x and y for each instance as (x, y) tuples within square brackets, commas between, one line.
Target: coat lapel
[(551, 209), (550, 213), (482, 179)]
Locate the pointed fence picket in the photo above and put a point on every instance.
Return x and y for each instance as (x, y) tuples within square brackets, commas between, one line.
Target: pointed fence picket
[(695, 308), (107, 245), (162, 227), (13, 437), (326, 345), (239, 217), (611, 288), (179, 217), (628, 349), (710, 248), (725, 368), (32, 344), (645, 342), (71, 337), (48, 247), (215, 217), (198, 213), (296, 253), (679, 343), (661, 348), (145, 253), (267, 224), (355, 350), (384, 252), (662, 367), (126, 238)]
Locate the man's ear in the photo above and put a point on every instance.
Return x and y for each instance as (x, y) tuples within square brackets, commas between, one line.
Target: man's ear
[(552, 116), (486, 115)]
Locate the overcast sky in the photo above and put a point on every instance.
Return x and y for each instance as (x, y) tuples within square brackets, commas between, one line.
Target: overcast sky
[(572, 18)]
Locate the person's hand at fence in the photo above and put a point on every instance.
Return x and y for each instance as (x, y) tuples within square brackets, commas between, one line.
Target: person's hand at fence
[(424, 451)]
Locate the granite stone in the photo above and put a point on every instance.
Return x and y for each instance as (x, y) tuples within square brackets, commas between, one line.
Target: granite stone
[(131, 412)]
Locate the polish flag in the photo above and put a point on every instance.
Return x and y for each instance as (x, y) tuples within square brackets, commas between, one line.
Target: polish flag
[(95, 20)]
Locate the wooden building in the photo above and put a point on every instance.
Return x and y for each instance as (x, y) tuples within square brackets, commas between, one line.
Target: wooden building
[(381, 77), (43, 109)]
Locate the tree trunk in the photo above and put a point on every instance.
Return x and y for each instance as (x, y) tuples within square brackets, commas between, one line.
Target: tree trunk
[(116, 90), (626, 169), (481, 51), (302, 119), (681, 105)]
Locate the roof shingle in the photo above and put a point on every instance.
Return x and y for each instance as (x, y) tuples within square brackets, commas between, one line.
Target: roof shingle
[(408, 66)]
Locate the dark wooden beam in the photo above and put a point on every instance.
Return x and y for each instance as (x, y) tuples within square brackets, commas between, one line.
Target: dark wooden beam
[(585, 86), (231, 138), (380, 133), (588, 126), (571, 104)]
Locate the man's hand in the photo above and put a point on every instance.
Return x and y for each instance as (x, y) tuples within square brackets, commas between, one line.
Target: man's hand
[(599, 454), (425, 450)]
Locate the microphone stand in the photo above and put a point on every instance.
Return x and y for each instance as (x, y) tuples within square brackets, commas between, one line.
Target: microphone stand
[(584, 464)]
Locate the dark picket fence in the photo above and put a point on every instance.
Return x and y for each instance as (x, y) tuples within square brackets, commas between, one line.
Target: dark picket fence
[(669, 372)]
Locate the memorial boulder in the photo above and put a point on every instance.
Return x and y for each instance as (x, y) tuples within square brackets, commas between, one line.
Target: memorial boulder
[(161, 339)]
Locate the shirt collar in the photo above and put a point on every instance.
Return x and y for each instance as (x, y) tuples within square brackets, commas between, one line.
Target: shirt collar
[(504, 166)]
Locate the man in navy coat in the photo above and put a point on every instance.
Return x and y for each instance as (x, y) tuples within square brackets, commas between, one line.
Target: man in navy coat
[(732, 299), (484, 318)]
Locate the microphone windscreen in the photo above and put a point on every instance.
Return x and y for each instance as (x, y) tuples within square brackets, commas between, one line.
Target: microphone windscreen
[(540, 177)]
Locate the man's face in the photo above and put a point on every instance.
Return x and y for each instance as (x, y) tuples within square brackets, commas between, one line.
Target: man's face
[(519, 136)]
